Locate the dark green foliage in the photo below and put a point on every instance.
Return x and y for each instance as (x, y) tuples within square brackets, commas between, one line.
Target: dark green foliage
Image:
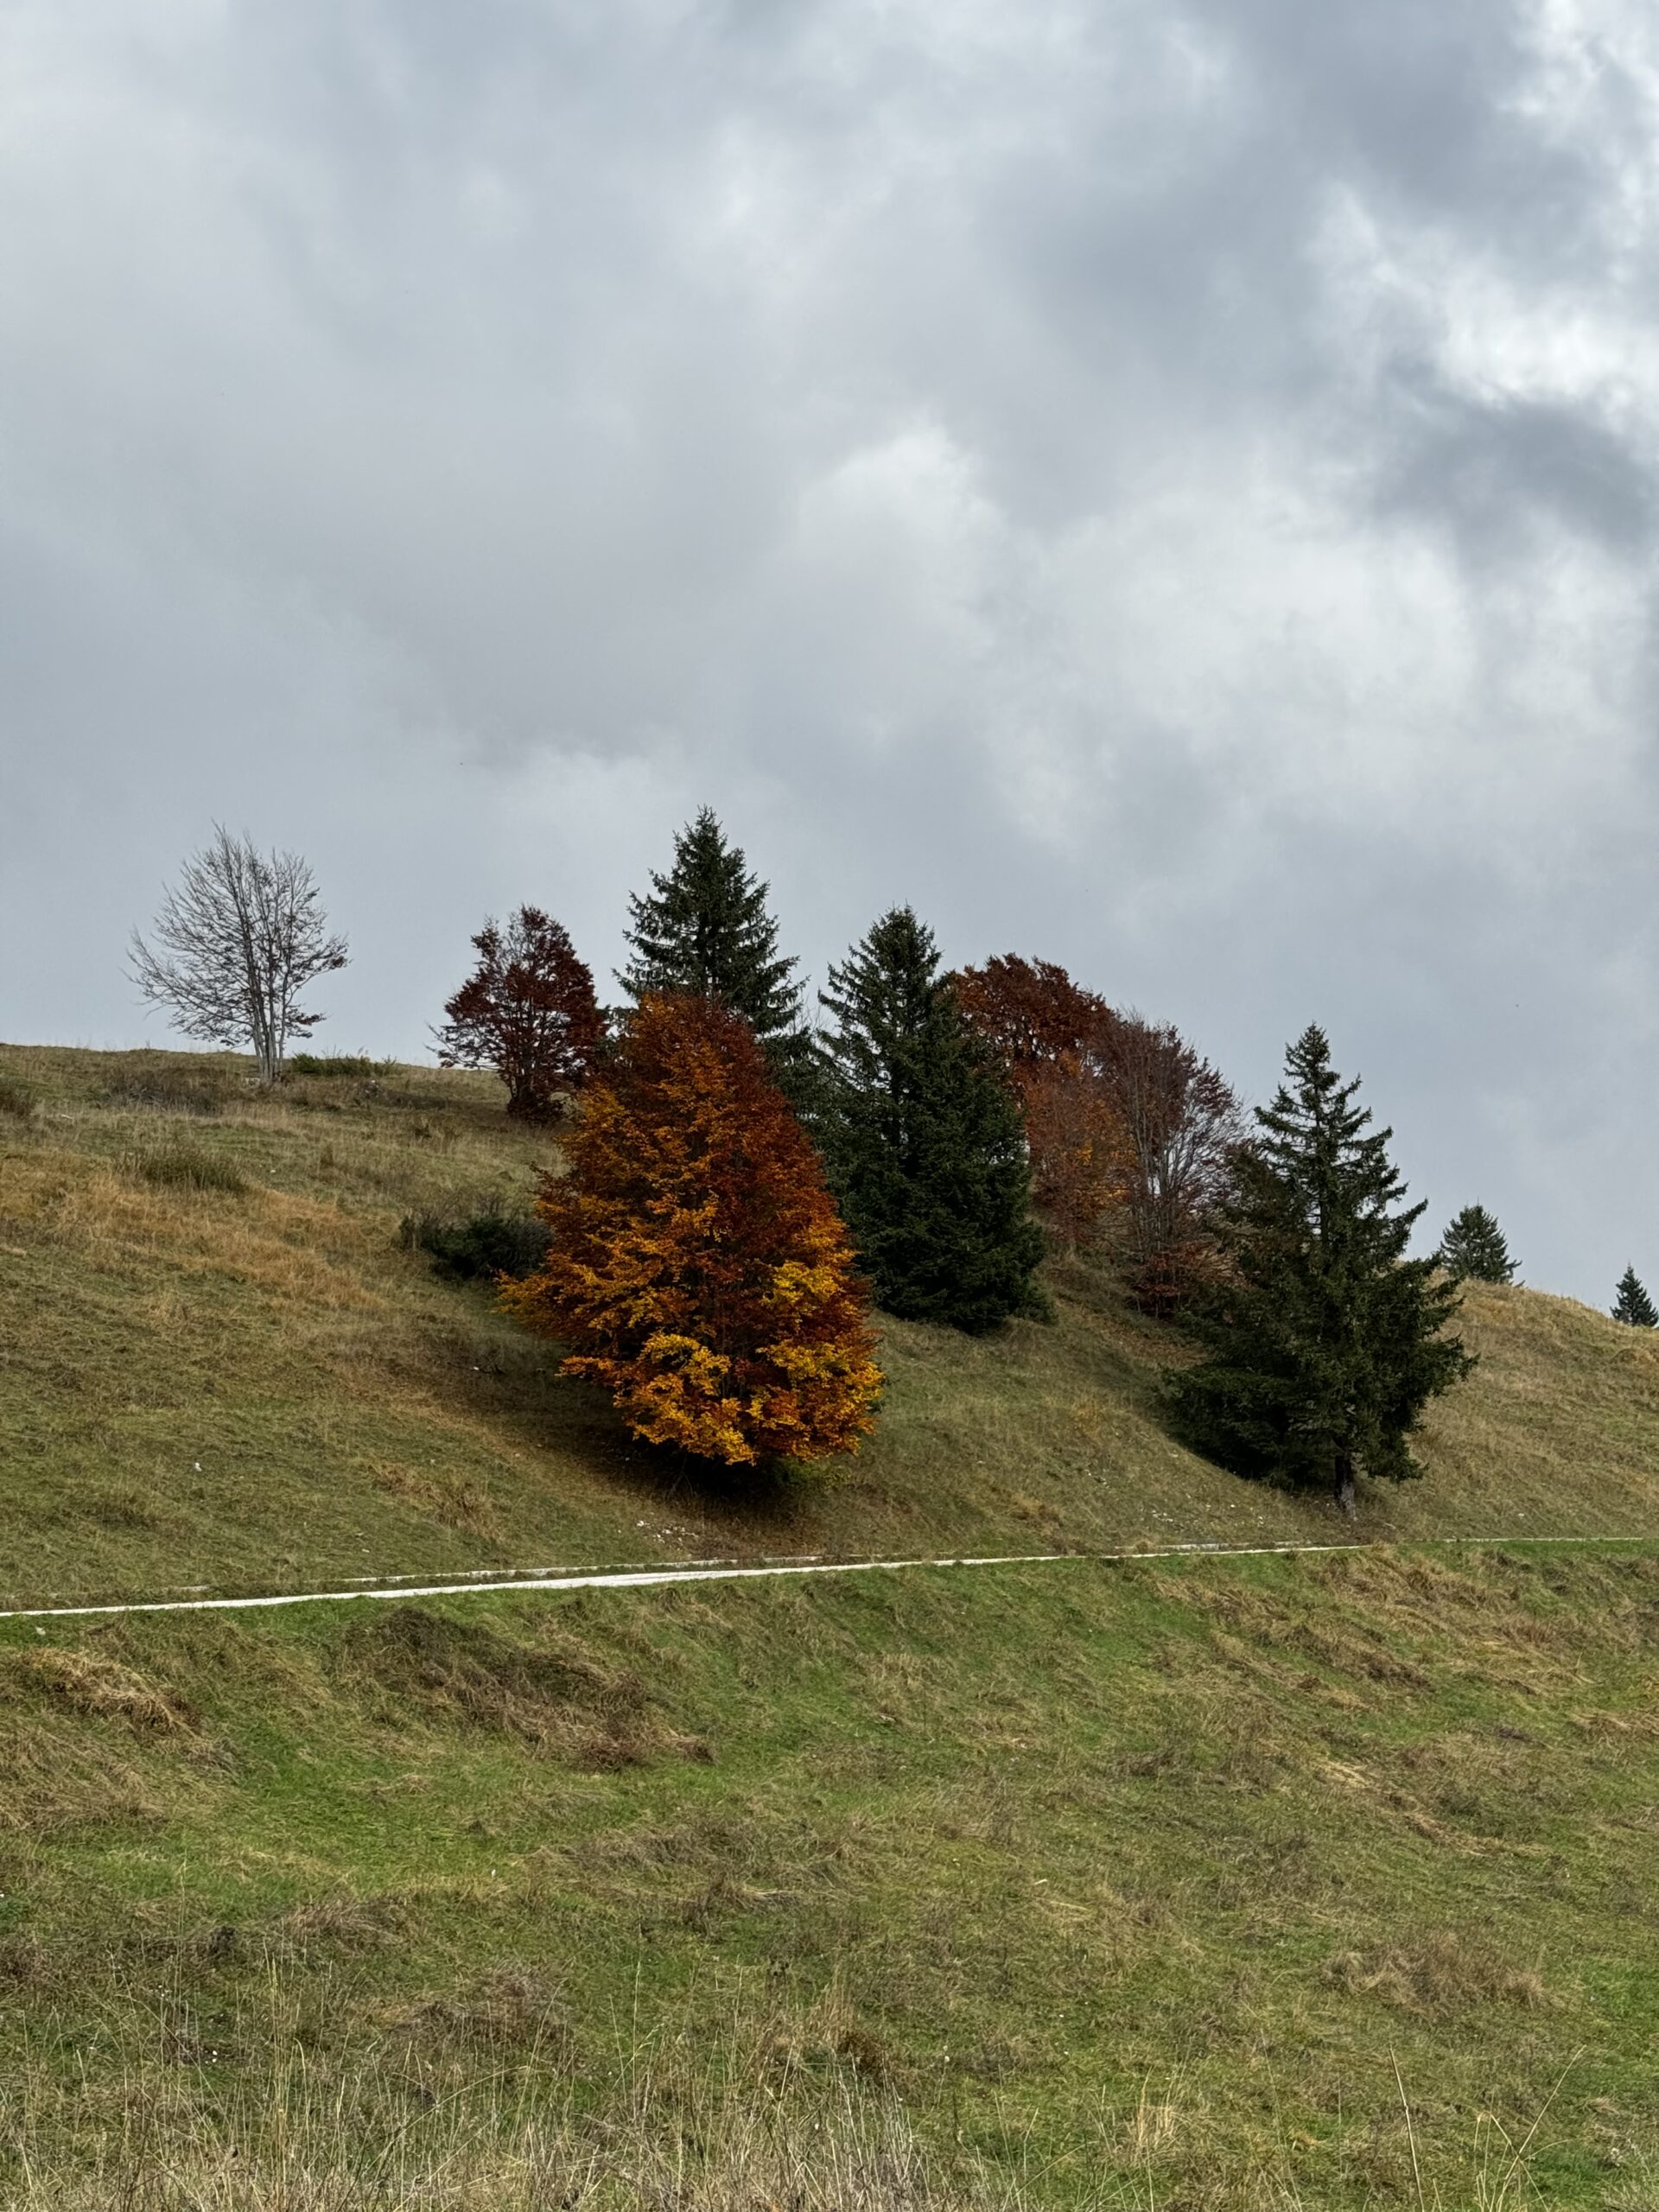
[(472, 1247), (1325, 1344), (923, 1139), (1474, 1248), (1633, 1304), (704, 928), (18, 1101), (338, 1064)]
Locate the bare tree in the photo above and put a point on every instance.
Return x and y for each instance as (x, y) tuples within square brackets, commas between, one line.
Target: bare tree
[(239, 939), (1183, 1125)]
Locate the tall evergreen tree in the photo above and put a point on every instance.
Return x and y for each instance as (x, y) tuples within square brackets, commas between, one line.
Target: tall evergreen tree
[(1474, 1247), (922, 1139), (1326, 1343), (703, 928), (1633, 1304)]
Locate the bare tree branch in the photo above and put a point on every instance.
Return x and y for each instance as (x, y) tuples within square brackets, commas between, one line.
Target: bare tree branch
[(239, 938)]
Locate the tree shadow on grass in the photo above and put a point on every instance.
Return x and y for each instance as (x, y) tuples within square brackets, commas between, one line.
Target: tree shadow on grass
[(485, 1364)]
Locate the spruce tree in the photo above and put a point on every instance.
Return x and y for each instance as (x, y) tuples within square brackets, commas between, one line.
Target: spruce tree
[(704, 928), (1633, 1304), (1474, 1248), (1326, 1343), (922, 1139)]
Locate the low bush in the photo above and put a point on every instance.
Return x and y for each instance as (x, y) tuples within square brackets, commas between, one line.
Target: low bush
[(468, 1248), (183, 1170), (18, 1101), (358, 1065)]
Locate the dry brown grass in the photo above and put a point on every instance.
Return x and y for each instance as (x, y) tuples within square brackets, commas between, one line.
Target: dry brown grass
[(88, 1682), (806, 2125), (1442, 1976)]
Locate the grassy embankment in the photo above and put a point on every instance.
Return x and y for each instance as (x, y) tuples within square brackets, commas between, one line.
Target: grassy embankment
[(1124, 1885), (254, 1385)]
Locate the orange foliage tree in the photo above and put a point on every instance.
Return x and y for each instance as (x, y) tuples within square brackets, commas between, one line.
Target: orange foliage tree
[(696, 1266), (1131, 1133), (1052, 1038)]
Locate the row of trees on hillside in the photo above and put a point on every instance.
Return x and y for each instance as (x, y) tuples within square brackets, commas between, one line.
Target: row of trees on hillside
[(742, 1182), (944, 1108), (1122, 1131)]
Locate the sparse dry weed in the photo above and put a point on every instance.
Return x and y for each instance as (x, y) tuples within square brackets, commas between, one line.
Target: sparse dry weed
[(1441, 1976)]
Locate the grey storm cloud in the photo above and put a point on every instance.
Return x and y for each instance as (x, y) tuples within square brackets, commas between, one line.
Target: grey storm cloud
[(1165, 487)]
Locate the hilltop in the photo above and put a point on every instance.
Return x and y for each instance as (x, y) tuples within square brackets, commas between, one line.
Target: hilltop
[(222, 1368)]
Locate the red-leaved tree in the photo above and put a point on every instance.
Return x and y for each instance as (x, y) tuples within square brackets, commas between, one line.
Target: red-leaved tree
[(696, 1266), (1131, 1132), (1029, 1011), (1050, 1034), (528, 1011)]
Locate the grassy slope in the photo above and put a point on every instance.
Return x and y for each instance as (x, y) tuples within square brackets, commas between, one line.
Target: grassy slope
[(1166, 1859), (1133, 1877), (260, 1387)]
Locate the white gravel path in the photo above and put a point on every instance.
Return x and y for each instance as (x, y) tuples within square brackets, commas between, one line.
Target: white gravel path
[(553, 1581)]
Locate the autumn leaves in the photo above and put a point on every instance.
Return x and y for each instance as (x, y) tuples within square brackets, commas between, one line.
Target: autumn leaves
[(741, 1185), (696, 1266)]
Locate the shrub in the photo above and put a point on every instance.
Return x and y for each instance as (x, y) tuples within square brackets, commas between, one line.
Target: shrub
[(465, 1247), (180, 1169), (357, 1064), (18, 1101)]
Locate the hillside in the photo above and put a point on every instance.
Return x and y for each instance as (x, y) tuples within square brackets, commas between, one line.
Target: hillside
[(255, 1386), (1103, 1886), (1063, 1885)]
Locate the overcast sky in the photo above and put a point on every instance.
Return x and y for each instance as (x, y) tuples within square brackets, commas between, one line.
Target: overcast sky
[(1167, 486)]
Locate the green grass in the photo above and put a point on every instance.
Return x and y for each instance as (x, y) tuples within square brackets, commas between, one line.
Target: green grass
[(1135, 1881), (1070, 1884)]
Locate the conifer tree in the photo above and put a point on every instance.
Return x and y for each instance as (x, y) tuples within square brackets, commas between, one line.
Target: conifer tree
[(1633, 1304), (703, 928), (1326, 1343), (1475, 1248), (695, 1265), (922, 1139)]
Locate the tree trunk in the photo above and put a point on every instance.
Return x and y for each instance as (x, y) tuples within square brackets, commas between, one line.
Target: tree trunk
[(1344, 1483)]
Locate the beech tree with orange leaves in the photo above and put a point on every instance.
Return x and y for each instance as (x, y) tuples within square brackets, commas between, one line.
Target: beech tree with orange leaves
[(696, 1266), (1052, 1038), (1131, 1133)]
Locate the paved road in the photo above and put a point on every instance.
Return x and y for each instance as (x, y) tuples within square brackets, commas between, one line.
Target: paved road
[(553, 1581)]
